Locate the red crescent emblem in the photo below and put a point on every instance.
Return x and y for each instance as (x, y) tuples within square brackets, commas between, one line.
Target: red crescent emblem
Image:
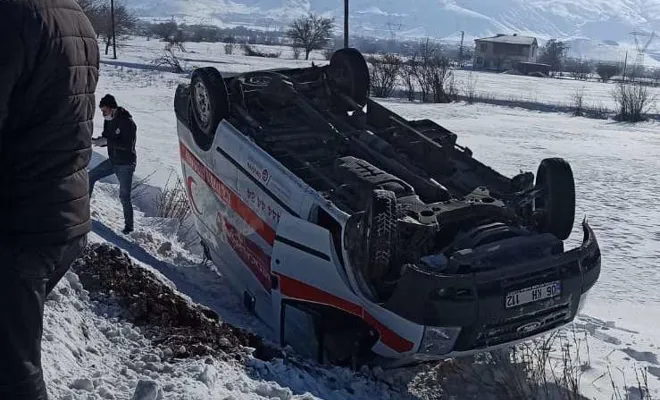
[(189, 183)]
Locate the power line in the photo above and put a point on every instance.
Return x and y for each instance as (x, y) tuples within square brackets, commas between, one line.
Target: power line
[(345, 23), (642, 47), (112, 17)]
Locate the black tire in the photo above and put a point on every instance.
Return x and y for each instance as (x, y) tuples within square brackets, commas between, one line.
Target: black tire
[(557, 203), (210, 99), (381, 234), (350, 73)]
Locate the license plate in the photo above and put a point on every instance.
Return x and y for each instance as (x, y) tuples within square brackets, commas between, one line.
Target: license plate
[(531, 294)]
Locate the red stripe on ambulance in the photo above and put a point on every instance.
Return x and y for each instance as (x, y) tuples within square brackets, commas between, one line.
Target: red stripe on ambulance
[(228, 196)]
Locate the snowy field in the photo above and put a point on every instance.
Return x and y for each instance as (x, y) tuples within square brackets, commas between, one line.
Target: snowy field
[(546, 91), (89, 355), (511, 88)]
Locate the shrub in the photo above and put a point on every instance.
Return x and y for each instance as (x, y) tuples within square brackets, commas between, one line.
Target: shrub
[(297, 51), (253, 52), (173, 201), (384, 71), (550, 367), (470, 89), (328, 52), (633, 101), (607, 71), (170, 60), (578, 102)]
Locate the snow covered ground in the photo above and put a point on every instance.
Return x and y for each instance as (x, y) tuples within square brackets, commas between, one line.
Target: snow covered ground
[(617, 174), (546, 91), (510, 88), (90, 354)]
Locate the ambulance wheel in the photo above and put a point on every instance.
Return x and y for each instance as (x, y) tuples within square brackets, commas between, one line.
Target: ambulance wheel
[(210, 99)]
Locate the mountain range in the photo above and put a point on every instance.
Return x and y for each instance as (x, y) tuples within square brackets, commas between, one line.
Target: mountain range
[(600, 20)]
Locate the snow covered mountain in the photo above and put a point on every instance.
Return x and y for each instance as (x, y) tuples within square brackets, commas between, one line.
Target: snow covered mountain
[(595, 19)]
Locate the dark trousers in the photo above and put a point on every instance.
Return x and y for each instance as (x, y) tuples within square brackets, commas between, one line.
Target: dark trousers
[(30, 272), (124, 174)]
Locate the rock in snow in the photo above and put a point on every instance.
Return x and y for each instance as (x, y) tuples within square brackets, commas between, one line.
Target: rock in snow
[(146, 390), (83, 384), (208, 376)]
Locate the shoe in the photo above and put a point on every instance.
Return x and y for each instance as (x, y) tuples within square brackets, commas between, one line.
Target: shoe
[(127, 230)]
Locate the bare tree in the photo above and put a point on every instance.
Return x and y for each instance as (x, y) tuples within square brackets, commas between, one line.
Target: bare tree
[(385, 71), (409, 76), (440, 73), (432, 72), (230, 44), (92, 9), (163, 30), (607, 71), (553, 53), (636, 72), (580, 69), (171, 33), (655, 74), (125, 21), (311, 32), (426, 52), (204, 33)]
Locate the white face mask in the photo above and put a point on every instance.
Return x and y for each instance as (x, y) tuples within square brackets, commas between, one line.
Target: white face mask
[(108, 117)]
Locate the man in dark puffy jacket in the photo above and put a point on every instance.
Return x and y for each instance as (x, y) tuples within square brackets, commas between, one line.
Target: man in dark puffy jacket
[(49, 62), (119, 134)]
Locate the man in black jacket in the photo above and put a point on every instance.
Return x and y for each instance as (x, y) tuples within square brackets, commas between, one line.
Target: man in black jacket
[(119, 134), (49, 61)]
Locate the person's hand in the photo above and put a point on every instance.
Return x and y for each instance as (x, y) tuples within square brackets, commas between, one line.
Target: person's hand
[(100, 141)]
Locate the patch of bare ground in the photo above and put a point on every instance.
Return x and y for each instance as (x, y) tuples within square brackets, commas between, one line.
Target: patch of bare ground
[(165, 317)]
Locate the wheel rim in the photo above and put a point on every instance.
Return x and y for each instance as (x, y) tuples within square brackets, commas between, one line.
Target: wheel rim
[(202, 103)]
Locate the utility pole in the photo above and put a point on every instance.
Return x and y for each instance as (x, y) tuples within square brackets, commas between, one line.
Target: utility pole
[(345, 23), (460, 50), (112, 16)]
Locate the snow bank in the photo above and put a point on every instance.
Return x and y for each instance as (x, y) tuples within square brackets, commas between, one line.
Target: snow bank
[(91, 351)]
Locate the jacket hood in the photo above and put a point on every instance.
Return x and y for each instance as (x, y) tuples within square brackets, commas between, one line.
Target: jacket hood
[(121, 112)]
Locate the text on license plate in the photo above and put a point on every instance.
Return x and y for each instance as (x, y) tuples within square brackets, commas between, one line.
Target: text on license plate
[(531, 294)]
